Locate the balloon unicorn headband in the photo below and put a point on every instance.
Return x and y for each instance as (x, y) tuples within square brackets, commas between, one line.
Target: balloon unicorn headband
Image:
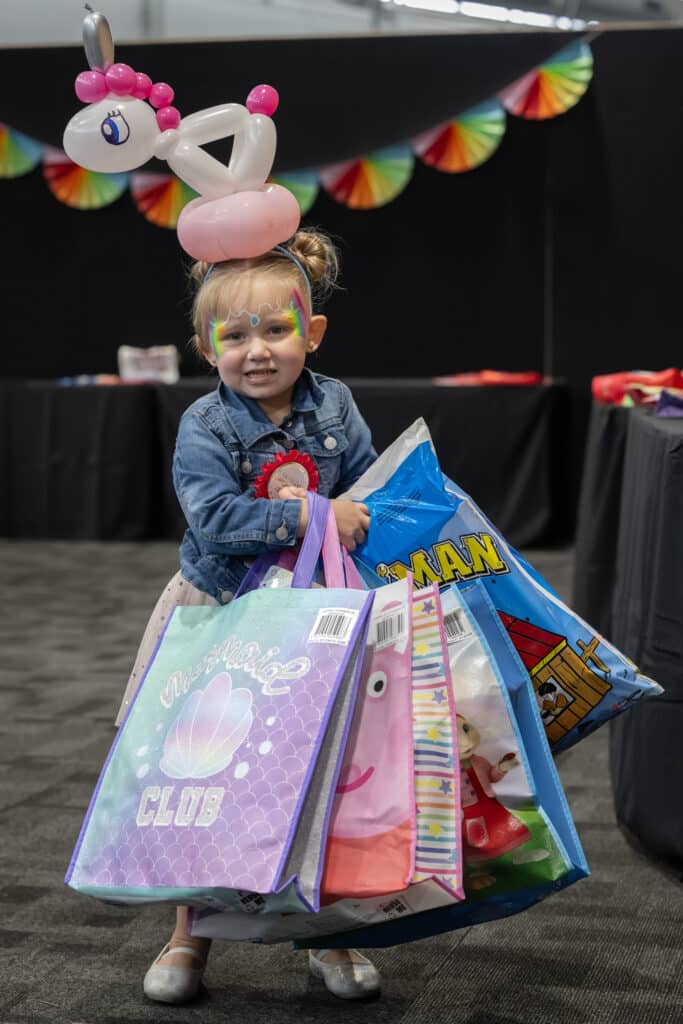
[(239, 214)]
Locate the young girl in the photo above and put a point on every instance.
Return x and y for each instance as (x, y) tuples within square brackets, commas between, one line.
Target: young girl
[(255, 322)]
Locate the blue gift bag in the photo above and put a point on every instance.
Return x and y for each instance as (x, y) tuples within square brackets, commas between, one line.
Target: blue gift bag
[(424, 523)]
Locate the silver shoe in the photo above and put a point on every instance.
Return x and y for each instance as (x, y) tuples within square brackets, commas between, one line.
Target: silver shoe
[(169, 984), (346, 980)]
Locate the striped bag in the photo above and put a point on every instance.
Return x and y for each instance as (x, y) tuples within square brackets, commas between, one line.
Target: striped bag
[(438, 854)]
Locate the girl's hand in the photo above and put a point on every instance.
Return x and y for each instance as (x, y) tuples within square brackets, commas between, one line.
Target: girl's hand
[(353, 522), (297, 494)]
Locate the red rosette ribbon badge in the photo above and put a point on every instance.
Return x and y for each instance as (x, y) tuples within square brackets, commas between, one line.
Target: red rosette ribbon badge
[(296, 469)]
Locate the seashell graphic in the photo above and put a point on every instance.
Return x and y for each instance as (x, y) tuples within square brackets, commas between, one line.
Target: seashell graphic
[(207, 731)]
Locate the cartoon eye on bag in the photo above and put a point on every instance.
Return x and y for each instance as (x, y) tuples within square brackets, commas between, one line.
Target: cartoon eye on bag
[(115, 128), (377, 684)]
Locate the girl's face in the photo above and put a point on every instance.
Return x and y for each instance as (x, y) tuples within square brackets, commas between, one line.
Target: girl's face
[(260, 347), (468, 738)]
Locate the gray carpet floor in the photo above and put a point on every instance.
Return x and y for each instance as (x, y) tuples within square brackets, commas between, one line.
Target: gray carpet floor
[(607, 950)]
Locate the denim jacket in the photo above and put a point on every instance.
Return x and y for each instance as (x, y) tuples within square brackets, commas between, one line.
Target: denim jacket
[(223, 442)]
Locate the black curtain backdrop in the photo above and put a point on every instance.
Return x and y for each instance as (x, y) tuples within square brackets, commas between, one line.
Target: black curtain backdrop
[(574, 223)]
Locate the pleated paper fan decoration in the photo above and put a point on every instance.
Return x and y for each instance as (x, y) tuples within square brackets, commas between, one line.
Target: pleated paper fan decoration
[(18, 153), (552, 88), (304, 186), (77, 187), (160, 198), (466, 141), (369, 181)]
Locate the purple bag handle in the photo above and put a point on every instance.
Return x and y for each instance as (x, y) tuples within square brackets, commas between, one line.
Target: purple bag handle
[(309, 553), (321, 537), (312, 544)]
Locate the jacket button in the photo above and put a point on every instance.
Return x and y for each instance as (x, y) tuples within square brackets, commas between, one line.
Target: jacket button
[(330, 443), (246, 466), (282, 533), (226, 596), (288, 443)]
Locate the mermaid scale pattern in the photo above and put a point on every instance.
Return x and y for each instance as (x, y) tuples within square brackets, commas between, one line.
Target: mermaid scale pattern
[(242, 848)]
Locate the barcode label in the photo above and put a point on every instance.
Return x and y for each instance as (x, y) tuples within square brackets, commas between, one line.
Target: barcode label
[(389, 629), (394, 908), (456, 626), (333, 626)]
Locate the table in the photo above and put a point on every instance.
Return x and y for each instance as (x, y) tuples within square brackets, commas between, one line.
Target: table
[(94, 462), (599, 512), (629, 570), (79, 463)]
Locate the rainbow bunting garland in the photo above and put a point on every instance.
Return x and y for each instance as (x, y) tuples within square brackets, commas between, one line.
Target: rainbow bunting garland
[(552, 88), (369, 181), (18, 153), (77, 187), (364, 183), (465, 142), (303, 185), (160, 198)]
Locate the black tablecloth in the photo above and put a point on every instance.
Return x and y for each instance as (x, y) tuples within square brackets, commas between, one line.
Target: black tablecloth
[(94, 462), (599, 513), (80, 463), (629, 573)]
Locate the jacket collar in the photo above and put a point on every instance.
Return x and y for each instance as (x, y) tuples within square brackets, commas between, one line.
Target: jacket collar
[(248, 419)]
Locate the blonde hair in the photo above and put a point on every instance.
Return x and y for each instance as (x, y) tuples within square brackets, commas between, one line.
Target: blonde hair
[(315, 252)]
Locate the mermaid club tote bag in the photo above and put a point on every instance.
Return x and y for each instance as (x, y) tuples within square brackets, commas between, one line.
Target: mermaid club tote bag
[(222, 776)]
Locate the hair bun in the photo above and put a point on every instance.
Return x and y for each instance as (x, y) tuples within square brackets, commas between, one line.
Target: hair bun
[(198, 271), (319, 258)]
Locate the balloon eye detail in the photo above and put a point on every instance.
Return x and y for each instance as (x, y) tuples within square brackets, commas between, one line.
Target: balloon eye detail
[(115, 128), (377, 684)]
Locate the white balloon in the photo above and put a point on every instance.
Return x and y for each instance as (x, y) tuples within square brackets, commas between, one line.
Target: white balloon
[(114, 134), (118, 134), (238, 214)]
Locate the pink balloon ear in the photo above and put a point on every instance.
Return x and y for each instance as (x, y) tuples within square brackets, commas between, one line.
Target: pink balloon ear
[(143, 86), (161, 95), (168, 117), (262, 99), (91, 86), (121, 79)]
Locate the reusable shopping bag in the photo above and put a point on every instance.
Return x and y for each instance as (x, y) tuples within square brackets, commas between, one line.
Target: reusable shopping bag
[(422, 717), (370, 848), (222, 774), (421, 522), (519, 840)]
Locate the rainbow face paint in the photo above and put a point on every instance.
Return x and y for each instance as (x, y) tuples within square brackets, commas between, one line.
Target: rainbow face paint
[(215, 327), (298, 314), (294, 314)]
